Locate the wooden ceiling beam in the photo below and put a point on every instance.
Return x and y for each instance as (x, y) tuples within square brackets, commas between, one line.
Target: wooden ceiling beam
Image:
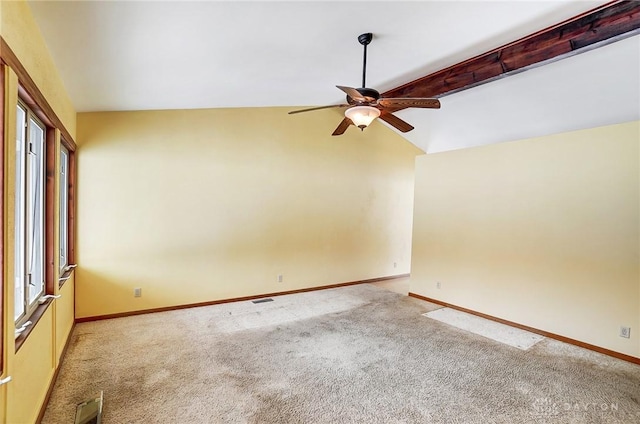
[(595, 28)]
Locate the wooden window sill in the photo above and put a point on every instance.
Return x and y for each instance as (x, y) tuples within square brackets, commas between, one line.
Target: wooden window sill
[(34, 318), (64, 277)]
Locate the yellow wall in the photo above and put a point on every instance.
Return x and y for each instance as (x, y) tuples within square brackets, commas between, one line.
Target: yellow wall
[(543, 232), (33, 366), (200, 205), (19, 30), (64, 315), (32, 369), (6, 338)]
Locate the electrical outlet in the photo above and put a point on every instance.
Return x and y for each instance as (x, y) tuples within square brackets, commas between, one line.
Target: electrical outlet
[(625, 332), (395, 265), (137, 292), (279, 278), (438, 285)]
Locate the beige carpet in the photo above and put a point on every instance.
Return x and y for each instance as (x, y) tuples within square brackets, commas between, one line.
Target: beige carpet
[(357, 354), (494, 330)]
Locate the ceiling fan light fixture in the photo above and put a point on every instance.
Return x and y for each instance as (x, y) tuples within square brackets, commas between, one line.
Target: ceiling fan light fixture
[(362, 116), (366, 104)]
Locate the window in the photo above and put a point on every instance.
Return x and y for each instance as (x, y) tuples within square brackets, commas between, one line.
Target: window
[(33, 203), (64, 208), (29, 214)]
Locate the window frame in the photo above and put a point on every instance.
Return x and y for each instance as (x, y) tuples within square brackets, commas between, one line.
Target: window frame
[(49, 204), (30, 94), (63, 198), (31, 199), (65, 273)]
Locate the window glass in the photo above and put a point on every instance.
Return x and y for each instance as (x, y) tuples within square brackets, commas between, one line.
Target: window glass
[(64, 207), (35, 218), (19, 308), (29, 214)]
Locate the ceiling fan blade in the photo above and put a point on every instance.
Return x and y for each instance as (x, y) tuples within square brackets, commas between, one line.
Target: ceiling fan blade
[(342, 127), (315, 108), (355, 94), (410, 102), (395, 122)]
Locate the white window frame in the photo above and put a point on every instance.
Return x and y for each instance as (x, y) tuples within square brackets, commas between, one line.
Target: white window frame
[(30, 269), (64, 208)]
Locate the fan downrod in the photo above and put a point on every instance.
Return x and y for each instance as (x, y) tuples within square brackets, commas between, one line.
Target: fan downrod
[(365, 39)]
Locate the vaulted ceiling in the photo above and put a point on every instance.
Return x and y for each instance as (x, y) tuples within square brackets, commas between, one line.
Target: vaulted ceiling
[(183, 55)]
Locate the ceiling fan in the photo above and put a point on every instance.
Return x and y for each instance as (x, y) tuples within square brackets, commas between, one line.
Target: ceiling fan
[(365, 104)]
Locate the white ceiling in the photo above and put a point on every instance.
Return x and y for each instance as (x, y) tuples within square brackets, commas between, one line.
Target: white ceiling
[(183, 55), (596, 88)]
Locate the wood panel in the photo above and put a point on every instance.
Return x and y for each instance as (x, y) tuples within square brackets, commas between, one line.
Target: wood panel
[(71, 225), (49, 211), (601, 26), (52, 383)]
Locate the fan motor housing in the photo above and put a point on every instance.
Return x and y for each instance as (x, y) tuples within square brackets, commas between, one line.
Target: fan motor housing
[(366, 92)]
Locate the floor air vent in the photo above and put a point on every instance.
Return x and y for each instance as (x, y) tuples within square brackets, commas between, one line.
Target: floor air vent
[(268, 299), (90, 411)]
